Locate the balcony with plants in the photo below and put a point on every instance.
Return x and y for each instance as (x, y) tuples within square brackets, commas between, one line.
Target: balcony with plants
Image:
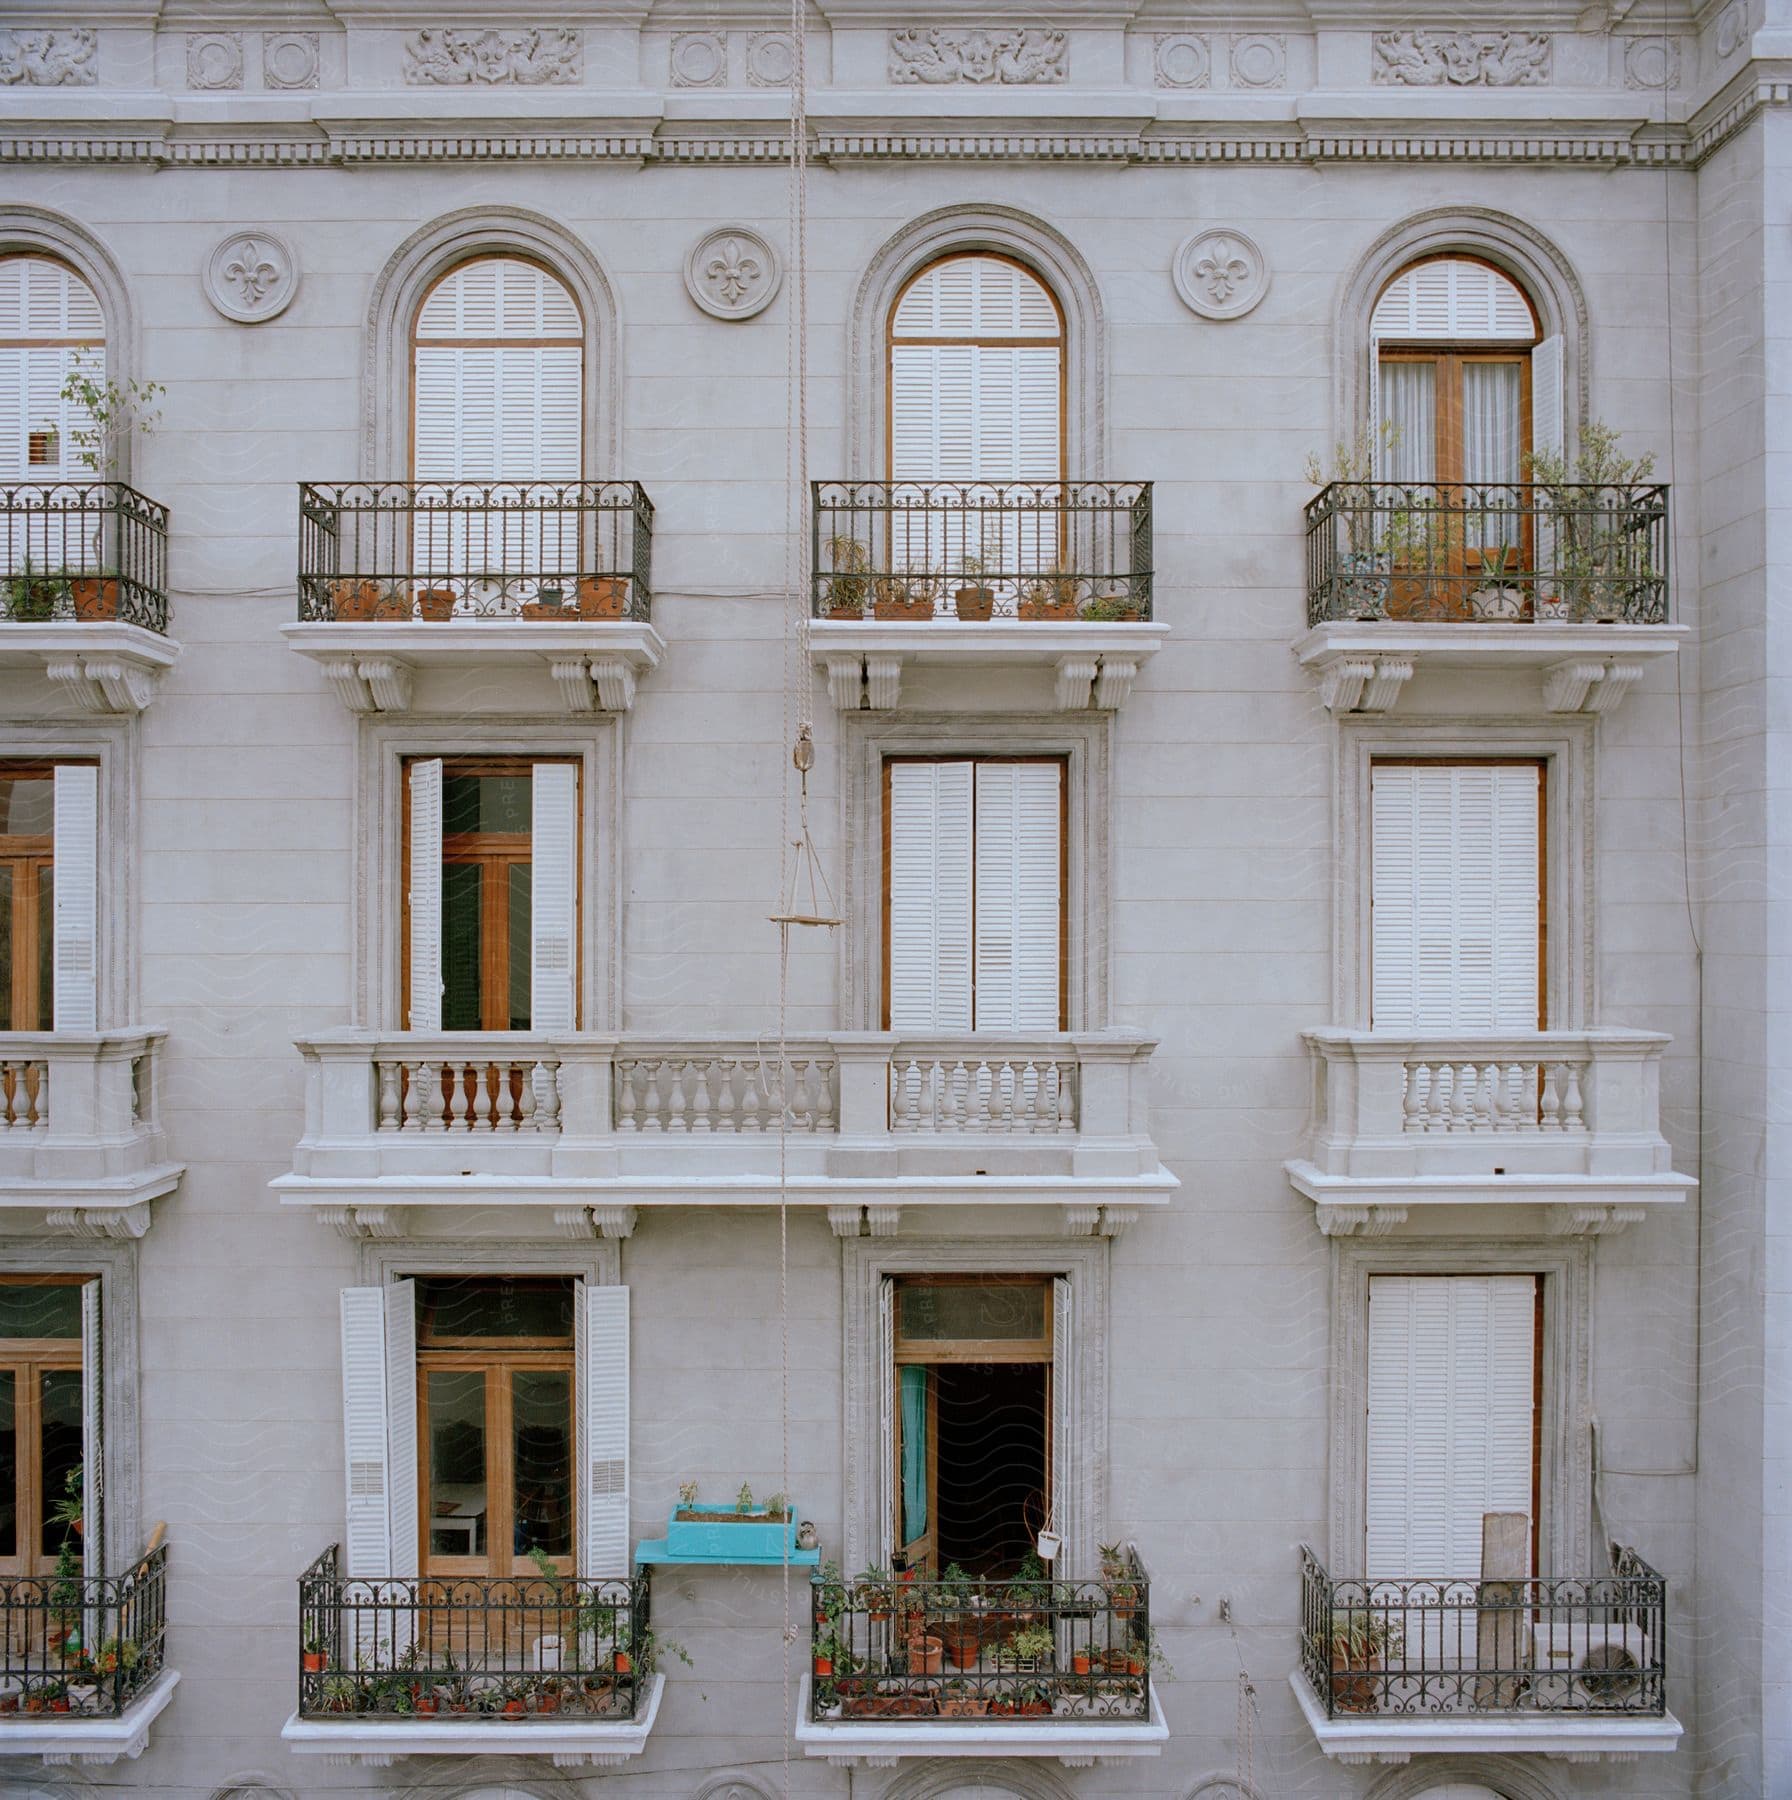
[(1035, 1666), (1570, 1666), (82, 1670), (403, 1129), (1051, 573), (1565, 574), (551, 576), (470, 1665)]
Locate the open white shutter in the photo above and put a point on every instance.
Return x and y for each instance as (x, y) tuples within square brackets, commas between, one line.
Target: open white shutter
[(367, 1538), (886, 1422), (1378, 456), (1066, 1473), (400, 1298), (930, 896), (74, 983), (1455, 890), (1548, 402), (553, 890), (1450, 1399), (601, 1355), (1018, 896), (424, 883), (93, 1435)]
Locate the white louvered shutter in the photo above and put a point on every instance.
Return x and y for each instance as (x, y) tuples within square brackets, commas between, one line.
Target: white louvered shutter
[(886, 1406), (367, 1540), (930, 896), (601, 1358), (424, 882), (40, 298), (1451, 298), (1549, 434), (553, 896), (1456, 885), (1067, 1475), (75, 849), (1019, 896), (93, 1434), (1451, 1393), (400, 1299)]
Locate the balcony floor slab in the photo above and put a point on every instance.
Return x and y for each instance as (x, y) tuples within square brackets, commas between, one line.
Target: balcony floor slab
[(1076, 1743), (1578, 1737), (61, 1739), (378, 1743)]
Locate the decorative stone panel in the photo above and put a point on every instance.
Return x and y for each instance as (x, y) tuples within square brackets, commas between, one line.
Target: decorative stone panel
[(1220, 274), (771, 59), (534, 58), (1652, 63), (67, 58), (699, 59), (214, 60), (289, 59), (251, 276), (1181, 59), (941, 58), (1462, 59), (1259, 60), (733, 273)]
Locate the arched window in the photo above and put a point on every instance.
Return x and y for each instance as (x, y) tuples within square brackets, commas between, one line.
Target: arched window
[(1463, 387), (497, 363), (50, 324)]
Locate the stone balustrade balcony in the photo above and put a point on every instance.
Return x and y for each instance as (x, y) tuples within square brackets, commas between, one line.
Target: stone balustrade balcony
[(81, 1146), (1407, 1123), (596, 1127)]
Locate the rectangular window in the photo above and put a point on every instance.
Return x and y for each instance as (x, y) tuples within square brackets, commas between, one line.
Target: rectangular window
[(1457, 915), (49, 822), (1454, 1404), (491, 894), (43, 1420), (975, 934)]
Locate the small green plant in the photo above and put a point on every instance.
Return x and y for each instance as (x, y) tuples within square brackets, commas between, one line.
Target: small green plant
[(955, 1576), (1595, 527), (653, 1645), (849, 581), (70, 1509), (874, 1591), (687, 1493), (743, 1501), (829, 1592), (1356, 1636), (1107, 608), (1033, 1646), (112, 414)]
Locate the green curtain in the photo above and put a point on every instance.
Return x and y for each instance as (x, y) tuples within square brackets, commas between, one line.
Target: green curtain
[(914, 1452)]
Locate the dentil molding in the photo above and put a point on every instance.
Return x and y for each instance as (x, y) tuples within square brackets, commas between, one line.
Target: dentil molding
[(733, 273), (1220, 274), (251, 277), (942, 57)]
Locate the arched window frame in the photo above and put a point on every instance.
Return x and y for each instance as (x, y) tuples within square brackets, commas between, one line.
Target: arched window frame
[(29, 231), (413, 271), (995, 231)]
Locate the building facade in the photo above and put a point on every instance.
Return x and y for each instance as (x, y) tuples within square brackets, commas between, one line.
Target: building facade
[(1244, 1062)]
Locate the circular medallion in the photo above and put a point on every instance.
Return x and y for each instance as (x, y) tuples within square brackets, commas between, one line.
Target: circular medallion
[(251, 277), (1182, 60), (1220, 274), (732, 273)]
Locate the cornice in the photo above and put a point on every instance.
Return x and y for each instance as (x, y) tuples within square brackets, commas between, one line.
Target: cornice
[(1119, 128)]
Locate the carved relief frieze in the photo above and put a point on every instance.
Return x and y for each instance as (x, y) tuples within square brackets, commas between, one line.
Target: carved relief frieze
[(66, 58), (1259, 60), (535, 58), (1181, 59), (1015, 58), (771, 58), (214, 60), (289, 59), (1462, 58)]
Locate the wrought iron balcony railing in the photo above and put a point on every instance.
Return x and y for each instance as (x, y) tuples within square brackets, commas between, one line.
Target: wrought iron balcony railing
[(893, 1649), (83, 552), (82, 1645), (389, 551), (468, 1647), (1040, 550), (1573, 1645), (1521, 553)]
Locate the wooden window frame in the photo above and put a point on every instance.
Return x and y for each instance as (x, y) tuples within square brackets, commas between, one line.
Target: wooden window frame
[(494, 945), (27, 856), (1541, 765), (27, 1360), (1063, 765)]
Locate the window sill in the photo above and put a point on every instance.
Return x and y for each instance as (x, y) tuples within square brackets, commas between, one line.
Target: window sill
[(1571, 1738), (1076, 1743), (1093, 665), (380, 1743), (64, 1739), (591, 665)]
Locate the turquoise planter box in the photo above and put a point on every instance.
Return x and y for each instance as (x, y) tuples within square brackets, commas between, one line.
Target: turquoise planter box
[(750, 1537)]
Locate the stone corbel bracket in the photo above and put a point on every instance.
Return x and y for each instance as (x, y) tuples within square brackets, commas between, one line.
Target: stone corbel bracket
[(1596, 1221), (99, 1221), (1358, 1221), (106, 684), (1369, 684), (596, 1221), (1592, 687), (356, 1222)]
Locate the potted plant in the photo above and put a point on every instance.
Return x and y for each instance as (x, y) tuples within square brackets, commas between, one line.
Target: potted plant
[(973, 602), (909, 597), (549, 603), (959, 1700), (435, 604), (70, 1508), (1363, 565), (828, 1593), (31, 596), (650, 1647), (824, 1653), (742, 1532), (1358, 1643), (94, 596), (1601, 569), (602, 596), (1049, 597), (112, 412), (312, 1655), (1114, 605), (873, 1593), (1494, 598), (353, 598), (848, 579), (926, 1654), (1030, 1650)]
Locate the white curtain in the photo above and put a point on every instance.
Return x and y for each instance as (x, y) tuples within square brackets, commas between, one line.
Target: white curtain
[(1492, 452), (1408, 446)]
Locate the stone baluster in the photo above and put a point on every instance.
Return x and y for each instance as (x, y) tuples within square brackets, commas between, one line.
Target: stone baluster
[(1486, 1103), (824, 1096), (504, 1100), (1573, 1117), (1412, 1102), (1551, 1119), (795, 1092), (389, 1103), (547, 1113), (627, 1115), (701, 1104), (727, 1115), (902, 1096), (675, 1098), (960, 1096), (1462, 1098), (429, 1096), (752, 1099), (525, 1096), (479, 1079), (650, 1094), (413, 1100)]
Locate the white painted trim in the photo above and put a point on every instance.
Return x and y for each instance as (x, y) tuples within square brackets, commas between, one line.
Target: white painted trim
[(60, 1738)]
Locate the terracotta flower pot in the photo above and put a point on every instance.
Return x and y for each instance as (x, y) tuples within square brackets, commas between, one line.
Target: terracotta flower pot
[(547, 609), (435, 604), (926, 1656), (59, 1706), (95, 597), (974, 604), (1353, 1683), (824, 1666), (513, 1708), (353, 599), (962, 1638), (427, 1703), (1079, 1662), (312, 1661), (602, 596), (621, 1663), (901, 609), (1047, 606)]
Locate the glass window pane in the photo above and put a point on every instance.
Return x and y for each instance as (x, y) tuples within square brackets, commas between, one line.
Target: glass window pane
[(6, 959), (46, 945), (1492, 402), (541, 1408), (462, 947), (451, 1312), (485, 803), (457, 1487), (1408, 446), (519, 946), (976, 1310), (31, 1309), (59, 1447), (9, 1464), (27, 805)]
